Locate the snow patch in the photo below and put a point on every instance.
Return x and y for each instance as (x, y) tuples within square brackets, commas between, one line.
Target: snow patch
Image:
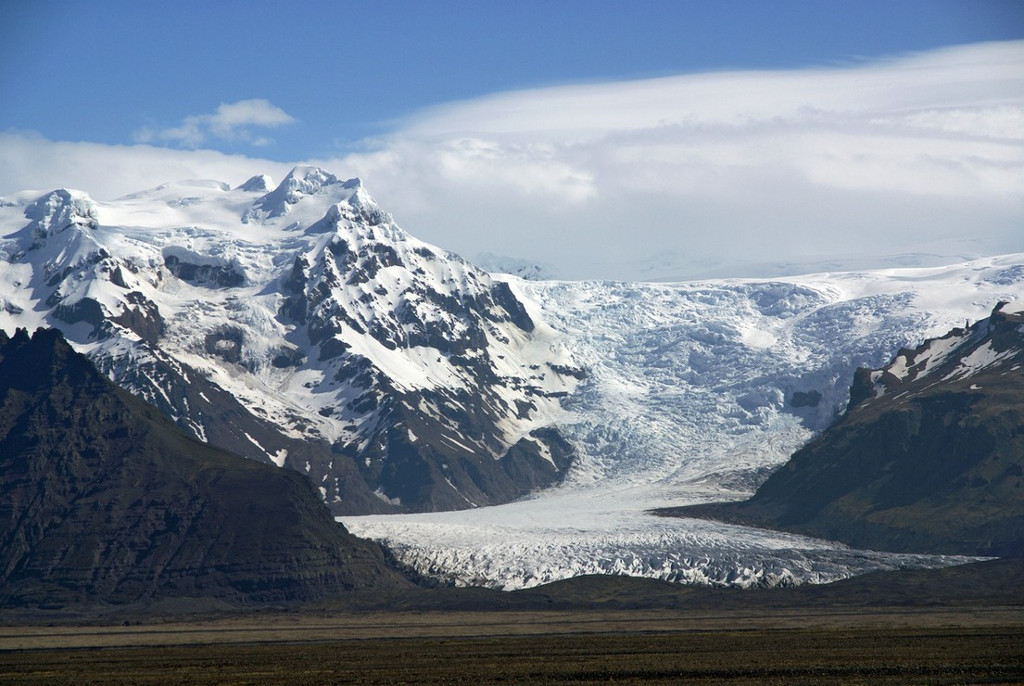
[(981, 358), (384, 496), (280, 456)]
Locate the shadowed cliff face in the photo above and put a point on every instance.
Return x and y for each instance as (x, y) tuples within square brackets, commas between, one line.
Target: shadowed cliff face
[(105, 500), (929, 456)]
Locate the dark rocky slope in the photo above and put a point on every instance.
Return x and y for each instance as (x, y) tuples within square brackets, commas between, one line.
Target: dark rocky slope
[(105, 500), (929, 456)]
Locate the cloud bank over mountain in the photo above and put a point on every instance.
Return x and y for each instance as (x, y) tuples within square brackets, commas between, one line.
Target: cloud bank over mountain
[(920, 156)]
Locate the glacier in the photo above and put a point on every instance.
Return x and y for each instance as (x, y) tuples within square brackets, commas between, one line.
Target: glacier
[(694, 392)]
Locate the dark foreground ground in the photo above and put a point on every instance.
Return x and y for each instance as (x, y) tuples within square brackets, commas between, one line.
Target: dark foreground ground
[(962, 625), (988, 654), (948, 647)]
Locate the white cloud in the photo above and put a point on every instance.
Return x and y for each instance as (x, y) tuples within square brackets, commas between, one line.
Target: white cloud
[(230, 122), (912, 155), (731, 173)]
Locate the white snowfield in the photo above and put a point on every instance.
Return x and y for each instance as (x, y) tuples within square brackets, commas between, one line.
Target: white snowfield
[(690, 399)]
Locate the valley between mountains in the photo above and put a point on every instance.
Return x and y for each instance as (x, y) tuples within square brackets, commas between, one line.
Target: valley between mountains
[(486, 429)]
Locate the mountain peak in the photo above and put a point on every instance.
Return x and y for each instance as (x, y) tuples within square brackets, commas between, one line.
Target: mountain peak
[(310, 173), (261, 183), (301, 182), (44, 358), (59, 210)]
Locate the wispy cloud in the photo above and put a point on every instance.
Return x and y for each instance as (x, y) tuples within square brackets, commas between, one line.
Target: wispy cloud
[(235, 121)]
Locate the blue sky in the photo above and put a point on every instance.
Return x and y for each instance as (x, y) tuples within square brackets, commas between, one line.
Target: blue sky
[(358, 84), (100, 70)]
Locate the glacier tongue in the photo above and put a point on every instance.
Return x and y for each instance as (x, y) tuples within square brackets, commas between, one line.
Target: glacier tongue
[(694, 392), (569, 533)]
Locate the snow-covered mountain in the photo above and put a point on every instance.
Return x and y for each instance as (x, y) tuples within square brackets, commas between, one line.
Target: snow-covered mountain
[(299, 325), (994, 344)]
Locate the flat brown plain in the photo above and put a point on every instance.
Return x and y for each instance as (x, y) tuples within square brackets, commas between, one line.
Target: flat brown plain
[(942, 645)]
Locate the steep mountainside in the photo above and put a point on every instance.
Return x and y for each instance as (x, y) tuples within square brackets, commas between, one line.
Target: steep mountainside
[(105, 500), (929, 456), (299, 325)]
